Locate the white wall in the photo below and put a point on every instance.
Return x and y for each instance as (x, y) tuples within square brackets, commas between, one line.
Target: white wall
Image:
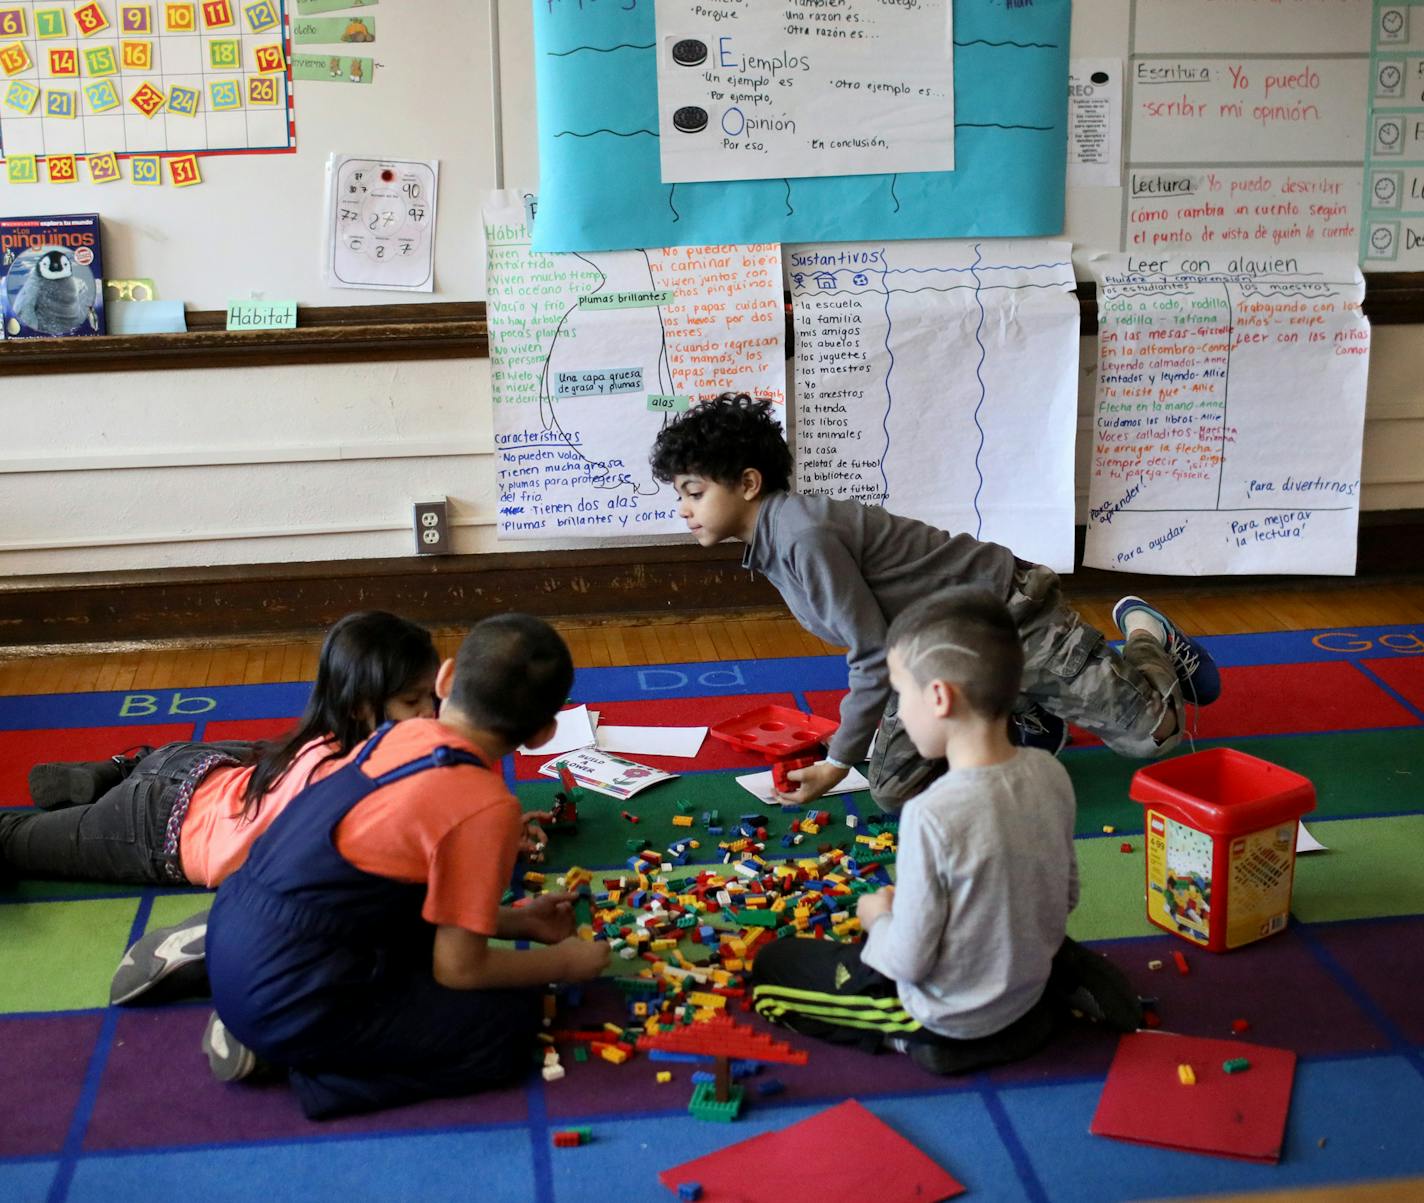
[(238, 466)]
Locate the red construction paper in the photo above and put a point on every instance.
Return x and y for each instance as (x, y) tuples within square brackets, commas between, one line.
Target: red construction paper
[(1229, 1115), (842, 1155)]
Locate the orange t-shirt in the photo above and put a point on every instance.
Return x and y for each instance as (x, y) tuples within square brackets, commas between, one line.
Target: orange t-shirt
[(455, 828), (215, 840)]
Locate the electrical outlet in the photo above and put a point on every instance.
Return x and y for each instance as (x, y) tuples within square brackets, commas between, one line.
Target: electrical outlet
[(432, 527)]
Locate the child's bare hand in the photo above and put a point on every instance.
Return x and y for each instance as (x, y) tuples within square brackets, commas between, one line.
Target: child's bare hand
[(547, 918), (813, 782), (532, 838), (870, 907), (584, 960)]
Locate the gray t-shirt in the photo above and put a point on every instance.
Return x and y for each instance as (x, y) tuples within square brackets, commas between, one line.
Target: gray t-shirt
[(985, 877), (846, 569)]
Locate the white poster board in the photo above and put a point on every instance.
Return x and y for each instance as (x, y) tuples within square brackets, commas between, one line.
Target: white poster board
[(1229, 416), (939, 379), (590, 354), (751, 91)]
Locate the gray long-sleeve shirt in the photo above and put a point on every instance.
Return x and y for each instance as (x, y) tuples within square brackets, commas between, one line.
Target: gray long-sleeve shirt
[(845, 570), (985, 877)]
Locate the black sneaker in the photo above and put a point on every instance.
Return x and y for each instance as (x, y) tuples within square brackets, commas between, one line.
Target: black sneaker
[(68, 783), (229, 1060), (171, 957), (1094, 989), (1196, 670), (1036, 728)]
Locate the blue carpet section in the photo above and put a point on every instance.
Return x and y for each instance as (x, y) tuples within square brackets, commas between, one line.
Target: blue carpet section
[(99, 1105)]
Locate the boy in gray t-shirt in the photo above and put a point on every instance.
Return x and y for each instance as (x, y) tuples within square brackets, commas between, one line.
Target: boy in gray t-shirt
[(965, 961)]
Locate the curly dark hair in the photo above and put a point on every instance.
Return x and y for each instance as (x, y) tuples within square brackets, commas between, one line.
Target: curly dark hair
[(720, 439)]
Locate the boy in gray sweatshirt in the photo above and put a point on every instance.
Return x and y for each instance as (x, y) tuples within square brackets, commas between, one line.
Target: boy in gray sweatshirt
[(846, 569), (965, 961)]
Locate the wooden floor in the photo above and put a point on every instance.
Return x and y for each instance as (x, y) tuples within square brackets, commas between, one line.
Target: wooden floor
[(664, 640)]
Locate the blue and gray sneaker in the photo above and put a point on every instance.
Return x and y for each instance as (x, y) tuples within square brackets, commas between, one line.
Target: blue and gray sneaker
[(1036, 728), (1196, 670)]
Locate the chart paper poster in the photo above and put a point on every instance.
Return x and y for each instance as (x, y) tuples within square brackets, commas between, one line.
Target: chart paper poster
[(939, 379), (752, 91), (1230, 414), (591, 354), (600, 149)]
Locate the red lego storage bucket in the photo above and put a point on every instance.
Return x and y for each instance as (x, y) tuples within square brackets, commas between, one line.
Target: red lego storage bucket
[(1220, 845)]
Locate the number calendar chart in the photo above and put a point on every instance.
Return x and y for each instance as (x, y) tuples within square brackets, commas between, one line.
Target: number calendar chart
[(109, 77), (381, 223)]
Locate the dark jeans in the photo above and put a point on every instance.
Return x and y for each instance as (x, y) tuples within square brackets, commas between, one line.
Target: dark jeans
[(824, 990), (116, 838)]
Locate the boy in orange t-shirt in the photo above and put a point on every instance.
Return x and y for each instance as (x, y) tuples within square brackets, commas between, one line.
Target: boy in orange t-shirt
[(353, 947)]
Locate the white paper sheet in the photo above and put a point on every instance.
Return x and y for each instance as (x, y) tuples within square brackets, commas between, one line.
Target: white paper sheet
[(761, 787), (380, 223), (1305, 842), (1229, 414), (573, 729), (652, 741), (1094, 122), (939, 379), (751, 90), (590, 353)]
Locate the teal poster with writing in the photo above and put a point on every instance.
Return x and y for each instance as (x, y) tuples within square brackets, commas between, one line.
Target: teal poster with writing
[(599, 143)]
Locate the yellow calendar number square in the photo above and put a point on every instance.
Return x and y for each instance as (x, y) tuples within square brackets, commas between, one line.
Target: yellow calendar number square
[(100, 61), (261, 16), (61, 103), (270, 58), (224, 95), (64, 62), (146, 169), (147, 99), (14, 59), (102, 96), (138, 56), (262, 90), (22, 95), (51, 23), (224, 54), (217, 14), (91, 19), (104, 168), (22, 169), (12, 23), (135, 19), (63, 169), (184, 172), (180, 18), (183, 101)]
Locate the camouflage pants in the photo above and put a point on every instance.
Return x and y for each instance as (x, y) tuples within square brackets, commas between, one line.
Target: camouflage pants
[(1070, 671)]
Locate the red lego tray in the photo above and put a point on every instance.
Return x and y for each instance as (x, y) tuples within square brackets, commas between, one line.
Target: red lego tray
[(774, 731)]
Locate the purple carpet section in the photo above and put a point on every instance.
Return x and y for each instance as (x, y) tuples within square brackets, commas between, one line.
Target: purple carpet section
[(1386, 958), (43, 1059), (157, 1093)]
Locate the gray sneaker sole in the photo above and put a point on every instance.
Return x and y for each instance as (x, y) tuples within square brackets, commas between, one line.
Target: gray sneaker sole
[(160, 956)]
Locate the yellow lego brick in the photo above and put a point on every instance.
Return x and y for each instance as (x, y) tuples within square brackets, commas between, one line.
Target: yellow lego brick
[(733, 964), (1186, 1075), (640, 1010), (810, 828), (662, 945), (613, 1029), (682, 820), (616, 1055), (700, 998), (664, 1077)]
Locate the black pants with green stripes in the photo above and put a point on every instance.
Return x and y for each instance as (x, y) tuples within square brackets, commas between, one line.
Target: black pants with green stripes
[(823, 989)]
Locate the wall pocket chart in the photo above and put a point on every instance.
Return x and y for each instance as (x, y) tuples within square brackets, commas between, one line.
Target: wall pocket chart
[(1230, 414), (590, 355), (939, 379), (600, 155)]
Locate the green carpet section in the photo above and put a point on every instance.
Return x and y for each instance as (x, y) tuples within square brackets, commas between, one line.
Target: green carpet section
[(34, 891), (1110, 897), (603, 835), (169, 909), (1374, 867), (59, 956), (1354, 773)]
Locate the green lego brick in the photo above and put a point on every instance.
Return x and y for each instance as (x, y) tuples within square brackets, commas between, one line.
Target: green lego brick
[(704, 1104)]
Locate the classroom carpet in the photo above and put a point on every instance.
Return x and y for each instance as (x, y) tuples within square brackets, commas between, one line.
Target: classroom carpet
[(101, 1103)]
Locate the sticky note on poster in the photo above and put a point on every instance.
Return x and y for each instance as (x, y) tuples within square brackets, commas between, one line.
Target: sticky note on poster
[(598, 382)]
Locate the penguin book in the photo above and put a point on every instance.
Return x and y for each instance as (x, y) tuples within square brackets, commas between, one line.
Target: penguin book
[(51, 276)]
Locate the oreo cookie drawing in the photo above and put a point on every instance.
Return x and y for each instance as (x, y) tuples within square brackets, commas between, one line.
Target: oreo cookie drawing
[(690, 119), (689, 52)]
